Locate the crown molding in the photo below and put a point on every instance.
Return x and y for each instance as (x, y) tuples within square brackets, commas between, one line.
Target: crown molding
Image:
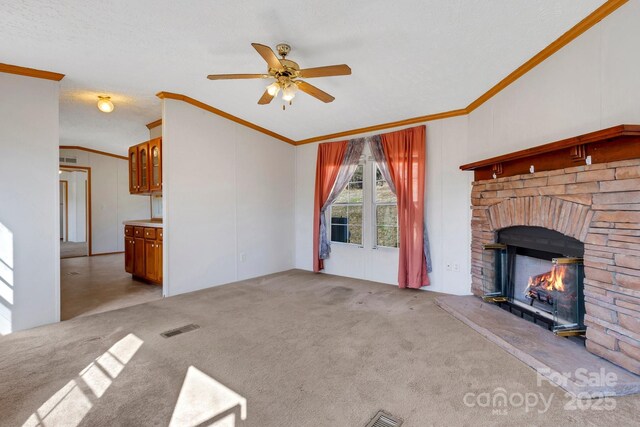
[(154, 124), (209, 108), (30, 72), (596, 16), (91, 150), (592, 19), (373, 128)]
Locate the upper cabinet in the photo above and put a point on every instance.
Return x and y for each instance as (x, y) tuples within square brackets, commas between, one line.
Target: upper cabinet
[(133, 169), (145, 167), (155, 172)]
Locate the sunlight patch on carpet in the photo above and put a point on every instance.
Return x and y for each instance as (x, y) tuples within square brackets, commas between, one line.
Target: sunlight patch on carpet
[(202, 400), (69, 405)]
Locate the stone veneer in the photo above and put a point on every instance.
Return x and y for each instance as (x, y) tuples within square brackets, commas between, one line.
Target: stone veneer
[(598, 205)]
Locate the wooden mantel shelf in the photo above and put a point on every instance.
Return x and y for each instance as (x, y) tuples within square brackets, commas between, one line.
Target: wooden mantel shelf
[(607, 145)]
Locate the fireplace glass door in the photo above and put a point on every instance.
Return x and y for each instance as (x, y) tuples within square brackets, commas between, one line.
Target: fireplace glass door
[(494, 271), (537, 272)]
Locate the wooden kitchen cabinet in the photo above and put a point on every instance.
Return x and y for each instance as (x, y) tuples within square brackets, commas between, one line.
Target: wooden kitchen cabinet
[(143, 252), (155, 165), (145, 167), (128, 254), (138, 257), (133, 169)]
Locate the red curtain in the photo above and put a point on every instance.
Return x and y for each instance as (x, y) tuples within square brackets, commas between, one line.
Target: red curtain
[(405, 153), (330, 157)]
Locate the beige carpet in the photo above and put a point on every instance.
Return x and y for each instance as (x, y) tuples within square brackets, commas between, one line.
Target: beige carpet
[(302, 349)]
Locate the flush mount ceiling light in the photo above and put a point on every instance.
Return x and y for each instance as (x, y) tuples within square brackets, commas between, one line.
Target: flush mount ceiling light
[(287, 74), (104, 104)]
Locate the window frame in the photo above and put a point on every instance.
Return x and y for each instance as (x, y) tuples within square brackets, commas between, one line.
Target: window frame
[(329, 222), (374, 211)]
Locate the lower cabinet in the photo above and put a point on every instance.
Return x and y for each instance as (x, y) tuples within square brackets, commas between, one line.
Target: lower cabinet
[(143, 252), (128, 254)]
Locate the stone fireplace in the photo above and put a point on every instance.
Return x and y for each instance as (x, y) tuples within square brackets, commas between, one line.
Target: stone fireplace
[(575, 220)]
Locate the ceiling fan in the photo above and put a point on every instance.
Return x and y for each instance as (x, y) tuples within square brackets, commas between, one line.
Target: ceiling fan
[(287, 75)]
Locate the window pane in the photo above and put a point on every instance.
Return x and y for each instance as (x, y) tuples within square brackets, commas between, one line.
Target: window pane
[(355, 234), (338, 214), (387, 236), (339, 233), (378, 174), (355, 192), (355, 215), (358, 174), (387, 215), (343, 197), (384, 193)]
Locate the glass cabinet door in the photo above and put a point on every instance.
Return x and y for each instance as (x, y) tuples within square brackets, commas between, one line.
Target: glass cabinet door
[(133, 169), (144, 168), (156, 165)]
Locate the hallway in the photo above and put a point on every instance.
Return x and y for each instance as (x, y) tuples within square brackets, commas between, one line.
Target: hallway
[(90, 285)]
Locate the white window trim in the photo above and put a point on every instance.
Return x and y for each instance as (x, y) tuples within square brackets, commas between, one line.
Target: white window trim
[(370, 237)]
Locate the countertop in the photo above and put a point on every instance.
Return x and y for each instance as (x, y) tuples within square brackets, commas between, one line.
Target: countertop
[(144, 223)]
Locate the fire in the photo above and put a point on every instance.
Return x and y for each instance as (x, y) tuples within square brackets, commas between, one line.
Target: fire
[(550, 281)]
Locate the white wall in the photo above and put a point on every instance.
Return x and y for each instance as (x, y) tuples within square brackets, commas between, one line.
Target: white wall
[(590, 84), (155, 132), (111, 203), (29, 210), (228, 195), (447, 211)]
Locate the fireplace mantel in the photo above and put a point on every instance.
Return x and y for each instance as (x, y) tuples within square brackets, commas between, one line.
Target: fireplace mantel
[(607, 145)]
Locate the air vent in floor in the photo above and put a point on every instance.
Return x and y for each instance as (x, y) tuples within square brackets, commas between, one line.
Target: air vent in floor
[(180, 330), (73, 273), (383, 419)]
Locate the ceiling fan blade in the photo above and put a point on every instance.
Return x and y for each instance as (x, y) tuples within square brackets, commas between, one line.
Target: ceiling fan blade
[(265, 99), (314, 91), (328, 71), (236, 76), (268, 55)]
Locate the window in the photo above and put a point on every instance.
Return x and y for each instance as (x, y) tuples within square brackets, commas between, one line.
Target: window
[(385, 210), (366, 212), (346, 211)]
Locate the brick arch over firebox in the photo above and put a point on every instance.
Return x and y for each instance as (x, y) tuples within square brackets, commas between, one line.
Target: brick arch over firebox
[(564, 216)]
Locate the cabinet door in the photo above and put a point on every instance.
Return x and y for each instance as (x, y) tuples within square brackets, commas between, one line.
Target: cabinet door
[(150, 259), (138, 257), (159, 261), (129, 256), (143, 156), (155, 155), (133, 169)]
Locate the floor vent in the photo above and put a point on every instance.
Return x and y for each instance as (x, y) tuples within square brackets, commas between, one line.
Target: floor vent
[(383, 419), (73, 273), (180, 330)]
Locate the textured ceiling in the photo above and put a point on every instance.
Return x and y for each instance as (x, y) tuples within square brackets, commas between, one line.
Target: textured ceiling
[(409, 57)]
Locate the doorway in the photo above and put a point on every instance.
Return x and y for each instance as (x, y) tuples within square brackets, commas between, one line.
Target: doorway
[(75, 212)]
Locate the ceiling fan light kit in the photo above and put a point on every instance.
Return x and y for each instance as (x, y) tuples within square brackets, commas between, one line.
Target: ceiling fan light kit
[(104, 104), (287, 75)]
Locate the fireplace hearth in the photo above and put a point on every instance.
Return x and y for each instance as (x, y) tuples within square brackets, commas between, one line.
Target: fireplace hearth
[(538, 275)]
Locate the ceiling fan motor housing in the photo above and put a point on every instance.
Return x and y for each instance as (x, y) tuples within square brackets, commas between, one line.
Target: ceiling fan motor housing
[(283, 49)]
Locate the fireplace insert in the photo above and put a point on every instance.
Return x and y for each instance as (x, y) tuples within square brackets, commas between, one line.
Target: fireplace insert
[(538, 274)]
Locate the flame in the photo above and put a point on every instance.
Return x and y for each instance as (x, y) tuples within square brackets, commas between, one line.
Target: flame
[(550, 281)]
